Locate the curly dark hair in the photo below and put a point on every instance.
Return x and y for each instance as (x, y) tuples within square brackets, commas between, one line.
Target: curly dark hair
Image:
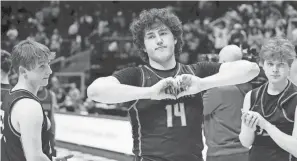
[(146, 19), (5, 61)]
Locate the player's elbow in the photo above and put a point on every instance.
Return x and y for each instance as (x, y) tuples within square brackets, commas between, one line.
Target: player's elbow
[(254, 69), (244, 142), (92, 91), (96, 90)]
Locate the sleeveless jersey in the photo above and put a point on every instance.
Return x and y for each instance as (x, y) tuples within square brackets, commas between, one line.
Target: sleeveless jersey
[(12, 149), (280, 112), (45, 98), (167, 130), (4, 90)]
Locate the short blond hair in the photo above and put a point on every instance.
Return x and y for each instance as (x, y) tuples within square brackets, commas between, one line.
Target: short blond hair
[(278, 48), (29, 53)]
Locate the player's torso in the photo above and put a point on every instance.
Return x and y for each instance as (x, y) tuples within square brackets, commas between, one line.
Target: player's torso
[(280, 115), (11, 144), (167, 127)]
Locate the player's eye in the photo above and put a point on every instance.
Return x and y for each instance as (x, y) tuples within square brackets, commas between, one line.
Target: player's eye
[(150, 36)]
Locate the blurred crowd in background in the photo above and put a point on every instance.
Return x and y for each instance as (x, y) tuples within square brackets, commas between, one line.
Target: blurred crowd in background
[(102, 30)]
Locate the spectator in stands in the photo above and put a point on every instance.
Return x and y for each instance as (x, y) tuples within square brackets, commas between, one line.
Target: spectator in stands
[(255, 38), (238, 36), (56, 41), (220, 32), (74, 95), (41, 36)]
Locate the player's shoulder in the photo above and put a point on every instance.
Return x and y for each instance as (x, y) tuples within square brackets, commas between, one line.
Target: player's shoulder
[(27, 105), (128, 70)]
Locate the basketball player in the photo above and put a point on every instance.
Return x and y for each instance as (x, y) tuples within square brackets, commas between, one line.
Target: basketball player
[(49, 104), (5, 86), (26, 135), (5, 68), (222, 115), (166, 126), (269, 112)]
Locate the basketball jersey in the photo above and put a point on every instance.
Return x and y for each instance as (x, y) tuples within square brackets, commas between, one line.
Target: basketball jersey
[(4, 90), (12, 149), (167, 130), (278, 110), (45, 98)]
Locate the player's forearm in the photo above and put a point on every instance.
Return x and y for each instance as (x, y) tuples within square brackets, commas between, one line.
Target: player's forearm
[(117, 93), (285, 141), (232, 73), (246, 137)]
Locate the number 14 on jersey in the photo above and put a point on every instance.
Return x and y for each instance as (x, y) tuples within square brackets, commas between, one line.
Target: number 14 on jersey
[(176, 110)]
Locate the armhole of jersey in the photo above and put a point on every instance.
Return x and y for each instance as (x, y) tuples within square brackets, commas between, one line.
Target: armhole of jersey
[(16, 133), (142, 84)]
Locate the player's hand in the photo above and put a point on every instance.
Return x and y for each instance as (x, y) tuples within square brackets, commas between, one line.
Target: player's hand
[(188, 85), (262, 122), (249, 120), (64, 158), (164, 89)]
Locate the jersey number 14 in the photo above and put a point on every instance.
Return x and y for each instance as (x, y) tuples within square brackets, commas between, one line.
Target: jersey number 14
[(176, 110)]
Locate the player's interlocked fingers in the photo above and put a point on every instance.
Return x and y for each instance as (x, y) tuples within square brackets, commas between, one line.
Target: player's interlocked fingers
[(188, 85), (64, 158), (249, 119), (261, 121), (164, 89)]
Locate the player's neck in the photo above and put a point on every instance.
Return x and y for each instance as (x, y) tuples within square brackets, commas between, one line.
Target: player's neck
[(26, 85), (4, 78), (276, 88), (163, 66)]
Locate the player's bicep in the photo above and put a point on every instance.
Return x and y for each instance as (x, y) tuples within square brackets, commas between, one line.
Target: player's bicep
[(30, 121), (295, 124), (129, 76), (205, 69), (246, 107), (247, 102)]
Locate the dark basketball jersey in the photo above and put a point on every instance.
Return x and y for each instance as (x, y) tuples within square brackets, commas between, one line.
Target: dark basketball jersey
[(45, 98), (11, 144), (279, 110), (167, 130), (4, 90)]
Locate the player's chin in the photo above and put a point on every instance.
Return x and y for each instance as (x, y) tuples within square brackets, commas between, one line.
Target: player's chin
[(44, 82)]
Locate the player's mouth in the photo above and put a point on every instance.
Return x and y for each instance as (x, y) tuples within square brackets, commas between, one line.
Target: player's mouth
[(160, 47), (275, 76)]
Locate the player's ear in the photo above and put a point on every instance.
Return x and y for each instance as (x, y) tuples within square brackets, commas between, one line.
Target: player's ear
[(23, 71), (175, 41)]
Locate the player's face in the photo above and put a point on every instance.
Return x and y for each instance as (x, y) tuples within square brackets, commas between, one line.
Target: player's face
[(40, 74), (276, 70), (159, 43)]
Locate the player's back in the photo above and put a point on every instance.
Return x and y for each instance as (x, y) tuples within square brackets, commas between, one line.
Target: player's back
[(11, 146), (222, 119), (167, 129)]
